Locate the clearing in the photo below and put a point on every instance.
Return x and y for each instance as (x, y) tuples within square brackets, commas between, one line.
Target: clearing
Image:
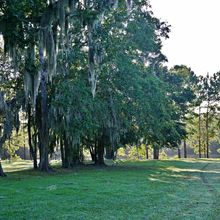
[(166, 189)]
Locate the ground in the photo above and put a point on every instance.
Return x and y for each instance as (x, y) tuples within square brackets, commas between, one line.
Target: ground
[(168, 189)]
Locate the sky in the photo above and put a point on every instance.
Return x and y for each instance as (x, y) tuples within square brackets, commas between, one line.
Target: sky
[(195, 33)]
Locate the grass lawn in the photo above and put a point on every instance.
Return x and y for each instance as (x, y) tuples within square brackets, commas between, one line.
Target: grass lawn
[(169, 189)]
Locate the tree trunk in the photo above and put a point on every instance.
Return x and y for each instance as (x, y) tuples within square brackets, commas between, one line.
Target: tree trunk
[(7, 128), (200, 151), (100, 152), (207, 132), (9, 145), (96, 150), (24, 150), (2, 174), (92, 154), (156, 153), (184, 148), (81, 155), (35, 148), (32, 151), (67, 161), (62, 153), (179, 153), (109, 153), (147, 152), (76, 155), (44, 132)]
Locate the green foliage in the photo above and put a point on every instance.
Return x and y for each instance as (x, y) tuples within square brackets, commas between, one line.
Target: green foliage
[(138, 152), (17, 140), (193, 132), (203, 125), (98, 69)]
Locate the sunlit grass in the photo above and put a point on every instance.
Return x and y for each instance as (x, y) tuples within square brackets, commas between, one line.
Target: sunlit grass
[(18, 165), (167, 189)]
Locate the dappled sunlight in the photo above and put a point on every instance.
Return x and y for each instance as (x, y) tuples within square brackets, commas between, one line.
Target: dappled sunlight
[(179, 170), (22, 165), (184, 177), (17, 165), (170, 178), (197, 160), (152, 179)]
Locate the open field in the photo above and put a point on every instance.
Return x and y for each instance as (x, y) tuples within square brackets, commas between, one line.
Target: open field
[(187, 189)]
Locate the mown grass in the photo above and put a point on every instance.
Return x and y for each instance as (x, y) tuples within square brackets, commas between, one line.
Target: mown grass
[(187, 189)]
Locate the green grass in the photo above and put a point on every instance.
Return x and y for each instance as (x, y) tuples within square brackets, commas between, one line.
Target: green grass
[(187, 189)]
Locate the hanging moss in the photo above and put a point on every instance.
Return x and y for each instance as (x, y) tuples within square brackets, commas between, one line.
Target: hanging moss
[(129, 3), (8, 122), (31, 76), (50, 37)]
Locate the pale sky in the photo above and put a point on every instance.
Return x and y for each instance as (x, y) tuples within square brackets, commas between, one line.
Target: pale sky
[(195, 33)]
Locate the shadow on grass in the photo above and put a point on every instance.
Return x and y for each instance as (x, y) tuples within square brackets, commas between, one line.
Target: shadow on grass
[(162, 168)]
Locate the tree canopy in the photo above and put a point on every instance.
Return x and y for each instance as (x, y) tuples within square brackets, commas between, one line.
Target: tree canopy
[(90, 74)]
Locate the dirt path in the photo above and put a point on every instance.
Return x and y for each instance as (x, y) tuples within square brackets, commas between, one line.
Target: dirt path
[(204, 203), (210, 177)]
